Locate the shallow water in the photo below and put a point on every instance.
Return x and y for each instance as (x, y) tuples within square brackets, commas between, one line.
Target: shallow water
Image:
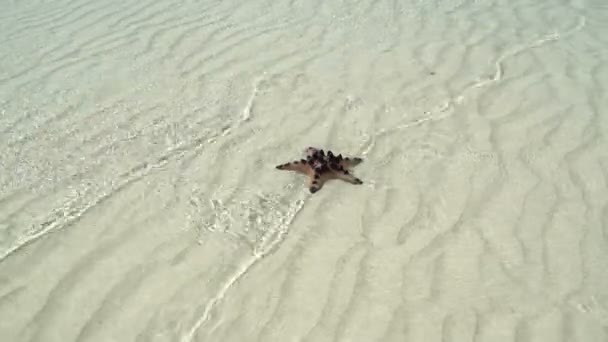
[(139, 199)]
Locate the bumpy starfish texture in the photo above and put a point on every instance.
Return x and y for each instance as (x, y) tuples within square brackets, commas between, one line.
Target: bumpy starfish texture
[(321, 167)]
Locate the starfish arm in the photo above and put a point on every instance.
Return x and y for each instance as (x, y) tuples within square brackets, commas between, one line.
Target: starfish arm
[(350, 162), (318, 179), (299, 166), (348, 177)]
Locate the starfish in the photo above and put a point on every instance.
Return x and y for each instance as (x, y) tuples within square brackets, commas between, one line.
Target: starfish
[(321, 167)]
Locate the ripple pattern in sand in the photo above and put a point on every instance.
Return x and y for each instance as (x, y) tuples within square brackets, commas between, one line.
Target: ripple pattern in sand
[(138, 199)]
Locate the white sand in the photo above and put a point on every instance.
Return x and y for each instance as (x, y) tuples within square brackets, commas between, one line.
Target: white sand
[(139, 200)]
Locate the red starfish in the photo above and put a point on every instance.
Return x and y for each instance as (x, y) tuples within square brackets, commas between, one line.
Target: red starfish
[(321, 167)]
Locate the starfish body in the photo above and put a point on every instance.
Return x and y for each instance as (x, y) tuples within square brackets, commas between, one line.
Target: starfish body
[(321, 167)]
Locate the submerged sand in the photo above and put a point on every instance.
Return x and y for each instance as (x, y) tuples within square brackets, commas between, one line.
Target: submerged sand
[(139, 199)]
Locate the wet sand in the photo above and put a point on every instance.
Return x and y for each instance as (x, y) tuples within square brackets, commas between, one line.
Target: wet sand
[(139, 199)]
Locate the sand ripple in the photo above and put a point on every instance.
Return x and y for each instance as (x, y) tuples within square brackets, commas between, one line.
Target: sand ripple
[(138, 198)]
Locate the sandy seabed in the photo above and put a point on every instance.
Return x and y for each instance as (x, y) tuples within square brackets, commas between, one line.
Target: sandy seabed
[(139, 199)]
